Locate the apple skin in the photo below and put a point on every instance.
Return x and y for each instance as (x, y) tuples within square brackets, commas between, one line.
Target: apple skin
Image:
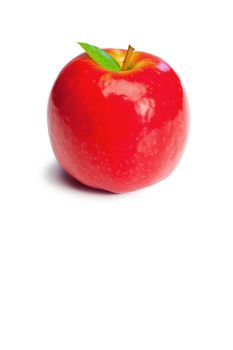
[(118, 131)]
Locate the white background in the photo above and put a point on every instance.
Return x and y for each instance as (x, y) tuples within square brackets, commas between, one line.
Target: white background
[(151, 269)]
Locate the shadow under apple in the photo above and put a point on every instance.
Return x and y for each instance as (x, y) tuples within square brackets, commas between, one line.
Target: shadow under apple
[(57, 176)]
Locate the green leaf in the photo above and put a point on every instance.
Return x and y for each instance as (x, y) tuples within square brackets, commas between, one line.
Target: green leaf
[(101, 57)]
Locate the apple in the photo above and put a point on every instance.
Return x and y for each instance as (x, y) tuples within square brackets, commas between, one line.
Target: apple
[(118, 120)]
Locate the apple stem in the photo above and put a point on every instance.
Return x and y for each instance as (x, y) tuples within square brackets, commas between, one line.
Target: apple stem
[(128, 56)]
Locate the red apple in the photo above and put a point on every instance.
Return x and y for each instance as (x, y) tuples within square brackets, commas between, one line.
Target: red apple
[(118, 130)]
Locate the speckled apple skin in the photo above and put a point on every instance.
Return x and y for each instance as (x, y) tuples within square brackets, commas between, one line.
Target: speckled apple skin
[(118, 131)]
